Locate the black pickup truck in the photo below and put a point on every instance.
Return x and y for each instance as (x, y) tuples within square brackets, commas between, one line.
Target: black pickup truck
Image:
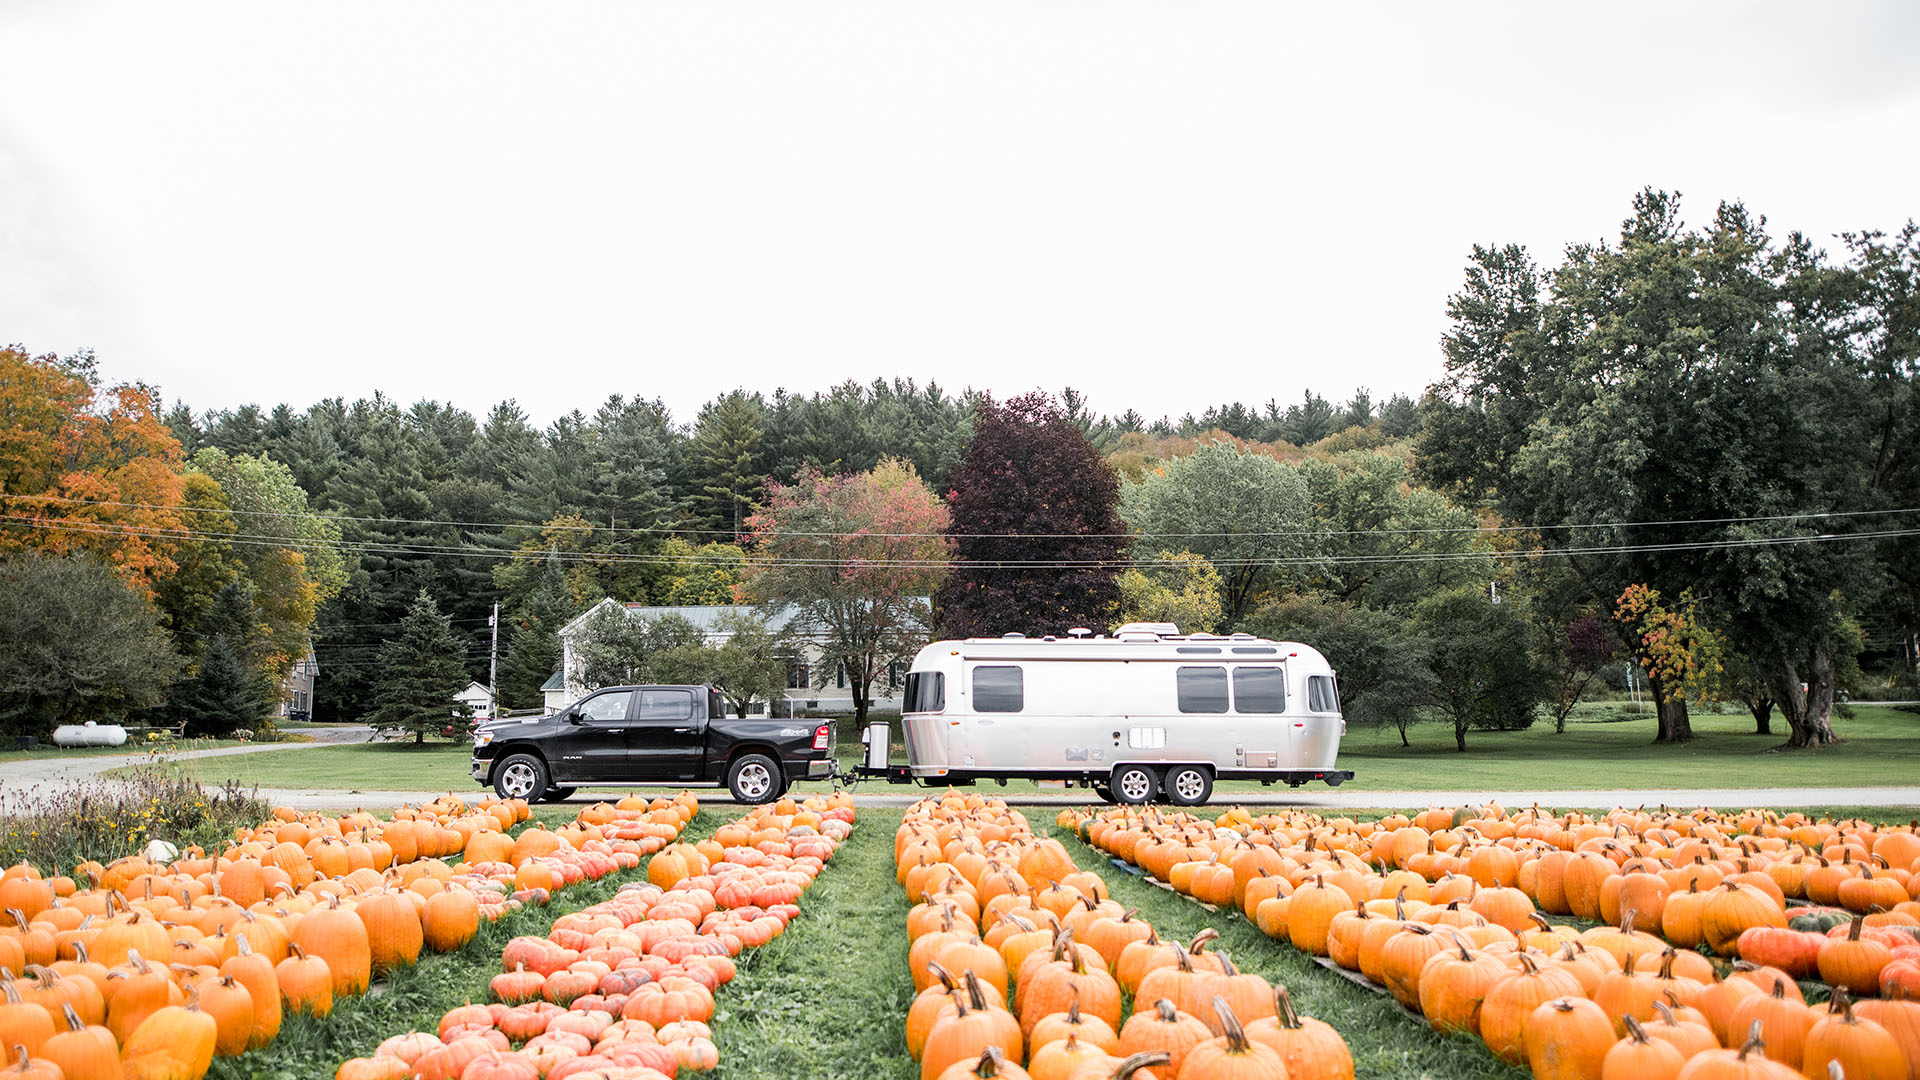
[(676, 735)]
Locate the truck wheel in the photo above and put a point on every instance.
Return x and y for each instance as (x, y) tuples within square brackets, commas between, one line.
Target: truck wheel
[(558, 794), (1189, 785), (1135, 785), (521, 776), (755, 778)]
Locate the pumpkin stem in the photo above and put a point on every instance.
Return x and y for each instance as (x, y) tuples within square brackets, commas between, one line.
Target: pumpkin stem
[(1200, 939), (976, 993), (1844, 1003), (1754, 1042), (991, 1059), (1853, 932), (1283, 1006), (1229, 1023), (1168, 1013), (1665, 1011), (1135, 1062)]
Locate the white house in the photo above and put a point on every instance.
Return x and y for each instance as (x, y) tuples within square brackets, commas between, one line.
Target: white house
[(477, 698), (296, 690), (802, 669)]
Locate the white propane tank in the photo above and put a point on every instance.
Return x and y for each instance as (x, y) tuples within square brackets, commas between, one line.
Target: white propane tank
[(877, 737), (89, 734)]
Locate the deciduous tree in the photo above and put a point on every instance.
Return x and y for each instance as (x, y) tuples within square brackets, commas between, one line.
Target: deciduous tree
[(1484, 671), (1181, 588), (77, 643), (857, 556), (1037, 537)]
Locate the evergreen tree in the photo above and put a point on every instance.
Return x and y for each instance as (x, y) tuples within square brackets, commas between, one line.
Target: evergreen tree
[(1037, 536), (419, 673), (226, 693), (726, 464)]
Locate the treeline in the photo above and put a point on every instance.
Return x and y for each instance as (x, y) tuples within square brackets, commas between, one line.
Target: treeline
[(1692, 448)]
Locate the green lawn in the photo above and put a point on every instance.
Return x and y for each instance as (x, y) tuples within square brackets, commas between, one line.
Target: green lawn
[(1882, 749), (50, 752)]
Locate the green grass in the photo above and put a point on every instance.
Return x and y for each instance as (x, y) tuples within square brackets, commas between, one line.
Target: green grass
[(1386, 1042), (415, 998), (1882, 749), (829, 997)]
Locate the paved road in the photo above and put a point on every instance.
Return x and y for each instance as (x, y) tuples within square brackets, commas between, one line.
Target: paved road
[(1903, 798)]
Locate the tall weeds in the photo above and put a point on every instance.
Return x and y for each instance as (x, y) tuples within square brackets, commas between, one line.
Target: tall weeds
[(58, 826)]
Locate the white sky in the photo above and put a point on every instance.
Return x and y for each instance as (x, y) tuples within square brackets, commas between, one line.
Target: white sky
[(1163, 204)]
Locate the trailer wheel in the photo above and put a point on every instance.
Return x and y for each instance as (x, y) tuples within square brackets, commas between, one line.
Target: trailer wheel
[(1135, 785), (1189, 785)]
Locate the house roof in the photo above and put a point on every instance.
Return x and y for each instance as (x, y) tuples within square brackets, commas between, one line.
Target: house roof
[(555, 681)]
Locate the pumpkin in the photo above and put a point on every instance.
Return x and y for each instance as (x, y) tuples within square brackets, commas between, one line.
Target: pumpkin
[(1057, 1059), (1311, 1049), (394, 933), (968, 1031), (1792, 951), (336, 935), (84, 1051), (1781, 1023), (22, 1024), (255, 972), (1510, 1003), (1073, 1023), (1854, 962), (1746, 1063), (1862, 1049), (1162, 1029), (174, 1043), (1453, 984), (449, 920), (1232, 1056), (1567, 1039), (306, 983), (1639, 1057), (991, 1064), (1733, 908), (231, 1006), (24, 1066)]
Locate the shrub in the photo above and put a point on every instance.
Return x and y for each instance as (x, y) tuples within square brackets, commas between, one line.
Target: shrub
[(105, 819)]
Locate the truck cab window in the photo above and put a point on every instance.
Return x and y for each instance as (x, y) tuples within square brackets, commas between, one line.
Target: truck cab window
[(666, 705), (606, 708), (1320, 694), (998, 689), (1202, 689), (1260, 689)]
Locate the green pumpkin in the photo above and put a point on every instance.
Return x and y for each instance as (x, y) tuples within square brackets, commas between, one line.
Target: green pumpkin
[(1818, 920)]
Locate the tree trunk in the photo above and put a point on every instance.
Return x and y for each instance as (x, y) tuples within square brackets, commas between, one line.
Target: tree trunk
[(1460, 733), (1403, 735), (1673, 725), (1806, 700), (1761, 706)]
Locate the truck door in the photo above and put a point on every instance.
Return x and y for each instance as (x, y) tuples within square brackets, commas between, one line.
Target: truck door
[(595, 746), (667, 738)]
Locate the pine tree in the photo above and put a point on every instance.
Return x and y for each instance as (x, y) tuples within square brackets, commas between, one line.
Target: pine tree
[(726, 467), (419, 673), (227, 694), (1036, 530)]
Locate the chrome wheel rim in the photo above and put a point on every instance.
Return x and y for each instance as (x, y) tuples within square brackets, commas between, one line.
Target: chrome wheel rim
[(1134, 785), (753, 781), (517, 780), (1189, 784)]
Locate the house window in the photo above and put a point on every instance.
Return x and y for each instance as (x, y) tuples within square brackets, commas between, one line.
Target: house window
[(893, 675), (799, 676), (998, 689), (840, 676), (1202, 689)]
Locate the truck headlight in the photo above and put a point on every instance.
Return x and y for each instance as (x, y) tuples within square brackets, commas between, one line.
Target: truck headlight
[(481, 738)]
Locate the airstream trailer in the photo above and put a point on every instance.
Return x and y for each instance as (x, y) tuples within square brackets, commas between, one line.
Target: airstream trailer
[(1145, 715)]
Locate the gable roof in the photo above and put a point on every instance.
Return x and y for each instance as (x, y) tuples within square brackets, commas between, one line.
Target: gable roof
[(555, 681)]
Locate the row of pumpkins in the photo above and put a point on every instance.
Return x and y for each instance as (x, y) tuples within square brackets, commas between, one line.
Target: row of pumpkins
[(1069, 952), (1467, 947), (1699, 879), (623, 990), (154, 968)]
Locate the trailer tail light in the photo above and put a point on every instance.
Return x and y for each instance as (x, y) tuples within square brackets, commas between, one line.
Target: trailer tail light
[(822, 737)]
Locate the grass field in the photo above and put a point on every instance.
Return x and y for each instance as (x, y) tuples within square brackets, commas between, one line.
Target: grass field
[(49, 752), (1882, 749)]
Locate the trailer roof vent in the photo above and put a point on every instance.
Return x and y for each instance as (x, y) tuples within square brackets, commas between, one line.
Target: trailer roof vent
[(1079, 632), (1133, 631), (1010, 635)]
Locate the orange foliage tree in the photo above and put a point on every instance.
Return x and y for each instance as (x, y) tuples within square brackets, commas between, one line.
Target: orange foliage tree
[(86, 470)]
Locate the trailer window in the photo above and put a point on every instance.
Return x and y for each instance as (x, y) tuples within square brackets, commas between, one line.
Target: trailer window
[(926, 691), (1320, 695), (1202, 689), (998, 689), (1260, 689)]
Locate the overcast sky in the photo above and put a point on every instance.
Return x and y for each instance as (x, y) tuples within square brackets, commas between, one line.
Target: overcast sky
[(1162, 204)]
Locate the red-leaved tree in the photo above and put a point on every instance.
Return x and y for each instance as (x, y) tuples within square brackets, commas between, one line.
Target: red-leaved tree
[(857, 555), (1037, 535)]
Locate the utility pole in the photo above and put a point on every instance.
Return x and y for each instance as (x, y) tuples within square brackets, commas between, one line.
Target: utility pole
[(493, 661)]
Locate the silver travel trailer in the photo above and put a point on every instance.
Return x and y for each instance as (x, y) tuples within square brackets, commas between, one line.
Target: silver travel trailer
[(1146, 715)]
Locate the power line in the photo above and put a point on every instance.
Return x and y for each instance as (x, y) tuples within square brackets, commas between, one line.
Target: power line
[(470, 551), (1810, 515)]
